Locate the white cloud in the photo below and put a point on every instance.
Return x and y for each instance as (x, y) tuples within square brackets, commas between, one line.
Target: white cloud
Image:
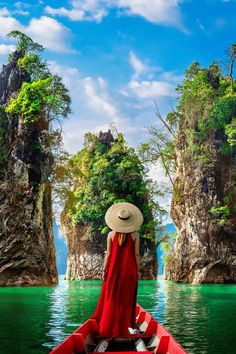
[(6, 49), (45, 30), (94, 108), (49, 32), (149, 89), (171, 77), (22, 5), (74, 15), (86, 10), (4, 12), (98, 98), (163, 12), (137, 65), (7, 24), (163, 85), (21, 12), (140, 68)]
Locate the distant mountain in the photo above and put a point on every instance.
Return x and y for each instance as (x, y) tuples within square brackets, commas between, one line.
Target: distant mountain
[(168, 228), (60, 249)]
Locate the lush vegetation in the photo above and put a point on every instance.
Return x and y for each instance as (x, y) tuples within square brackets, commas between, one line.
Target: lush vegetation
[(208, 99), (42, 95), (104, 172), (204, 122), (41, 99)]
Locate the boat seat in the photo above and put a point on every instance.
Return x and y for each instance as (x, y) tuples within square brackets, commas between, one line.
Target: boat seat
[(153, 343), (142, 326), (140, 345), (102, 346)]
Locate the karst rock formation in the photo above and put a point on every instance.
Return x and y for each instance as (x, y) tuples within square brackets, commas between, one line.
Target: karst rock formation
[(205, 249), (26, 239)]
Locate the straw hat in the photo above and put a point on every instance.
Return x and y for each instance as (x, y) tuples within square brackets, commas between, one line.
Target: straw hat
[(124, 217)]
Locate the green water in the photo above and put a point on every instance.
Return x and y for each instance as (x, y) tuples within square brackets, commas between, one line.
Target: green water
[(34, 320)]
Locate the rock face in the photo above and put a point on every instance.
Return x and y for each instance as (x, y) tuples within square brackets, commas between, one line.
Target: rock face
[(205, 250), (26, 239), (85, 252)]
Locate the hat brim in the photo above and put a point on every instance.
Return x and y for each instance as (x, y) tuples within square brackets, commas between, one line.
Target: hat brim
[(132, 224)]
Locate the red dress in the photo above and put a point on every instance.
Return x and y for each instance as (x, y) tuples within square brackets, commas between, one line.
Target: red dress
[(115, 310)]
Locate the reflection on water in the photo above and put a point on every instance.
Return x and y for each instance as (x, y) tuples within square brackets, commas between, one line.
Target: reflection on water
[(201, 317)]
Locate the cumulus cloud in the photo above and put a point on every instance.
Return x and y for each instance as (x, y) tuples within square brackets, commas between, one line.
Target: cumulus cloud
[(45, 30), (49, 32), (93, 91), (6, 49), (163, 12), (98, 98), (138, 66), (141, 68), (86, 10), (95, 107), (149, 89), (7, 24), (171, 77), (22, 5), (4, 12)]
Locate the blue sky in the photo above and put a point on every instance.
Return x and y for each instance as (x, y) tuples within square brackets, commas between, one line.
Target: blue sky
[(118, 56)]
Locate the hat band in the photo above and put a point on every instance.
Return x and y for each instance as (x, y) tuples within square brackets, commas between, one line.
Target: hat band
[(123, 218)]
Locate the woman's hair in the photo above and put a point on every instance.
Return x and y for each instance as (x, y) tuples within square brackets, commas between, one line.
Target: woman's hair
[(122, 238)]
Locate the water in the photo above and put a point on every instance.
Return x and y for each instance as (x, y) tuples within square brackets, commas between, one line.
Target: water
[(201, 317)]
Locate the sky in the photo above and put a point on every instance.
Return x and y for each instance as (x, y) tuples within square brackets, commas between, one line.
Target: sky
[(118, 57)]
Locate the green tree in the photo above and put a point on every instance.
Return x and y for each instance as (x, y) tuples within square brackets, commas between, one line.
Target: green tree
[(104, 172), (42, 96), (47, 98), (206, 108), (24, 44), (41, 99)]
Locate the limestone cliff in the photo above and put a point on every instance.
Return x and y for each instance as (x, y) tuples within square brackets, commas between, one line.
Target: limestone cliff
[(86, 243), (26, 240), (205, 249), (85, 252)]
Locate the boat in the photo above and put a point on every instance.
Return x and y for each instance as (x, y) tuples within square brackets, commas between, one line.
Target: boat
[(149, 337)]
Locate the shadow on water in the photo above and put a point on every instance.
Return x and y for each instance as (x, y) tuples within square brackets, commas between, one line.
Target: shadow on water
[(201, 317)]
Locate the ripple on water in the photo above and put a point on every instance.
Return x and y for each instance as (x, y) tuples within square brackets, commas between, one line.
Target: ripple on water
[(201, 317)]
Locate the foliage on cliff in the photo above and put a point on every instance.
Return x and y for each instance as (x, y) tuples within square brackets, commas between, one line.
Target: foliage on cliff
[(41, 98), (104, 172), (204, 122), (44, 95)]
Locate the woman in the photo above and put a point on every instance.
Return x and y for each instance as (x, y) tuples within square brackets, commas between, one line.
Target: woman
[(115, 310)]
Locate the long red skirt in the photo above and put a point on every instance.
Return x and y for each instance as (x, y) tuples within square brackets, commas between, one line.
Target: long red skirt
[(115, 310)]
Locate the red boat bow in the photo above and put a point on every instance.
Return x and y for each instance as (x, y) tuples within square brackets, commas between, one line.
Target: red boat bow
[(152, 337)]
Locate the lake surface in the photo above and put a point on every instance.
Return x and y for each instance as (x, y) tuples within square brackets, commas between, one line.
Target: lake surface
[(201, 317)]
